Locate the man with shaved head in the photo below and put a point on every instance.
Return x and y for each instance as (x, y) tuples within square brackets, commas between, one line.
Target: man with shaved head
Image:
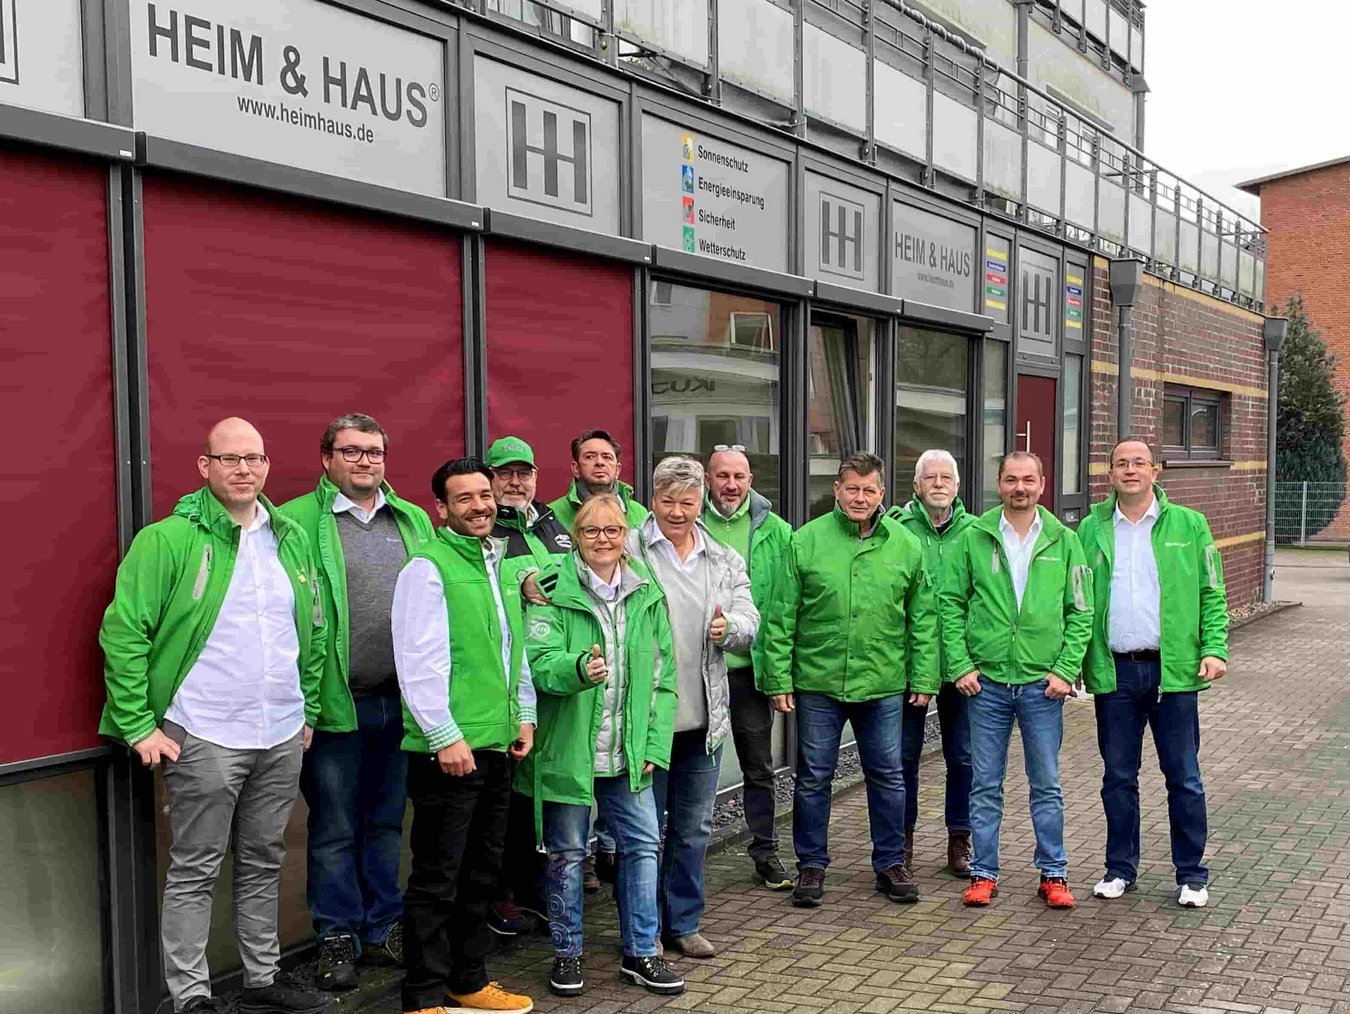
[(214, 644)]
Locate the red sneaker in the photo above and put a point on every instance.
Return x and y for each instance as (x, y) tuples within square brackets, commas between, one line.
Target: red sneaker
[(979, 892), (1055, 891)]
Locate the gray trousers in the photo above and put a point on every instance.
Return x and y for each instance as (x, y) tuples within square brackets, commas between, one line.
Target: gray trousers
[(220, 797)]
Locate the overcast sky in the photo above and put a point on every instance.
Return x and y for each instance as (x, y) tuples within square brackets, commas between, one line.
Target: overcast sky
[(1244, 88)]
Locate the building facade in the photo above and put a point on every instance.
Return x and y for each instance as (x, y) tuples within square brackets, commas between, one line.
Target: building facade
[(781, 224)]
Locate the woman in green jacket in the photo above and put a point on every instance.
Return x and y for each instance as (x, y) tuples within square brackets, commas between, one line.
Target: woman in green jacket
[(601, 653)]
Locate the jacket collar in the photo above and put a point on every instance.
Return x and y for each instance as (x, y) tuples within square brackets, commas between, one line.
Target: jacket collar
[(621, 489), (853, 527), (327, 492), (574, 581), (203, 509), (1105, 510), (916, 510), (1051, 528)]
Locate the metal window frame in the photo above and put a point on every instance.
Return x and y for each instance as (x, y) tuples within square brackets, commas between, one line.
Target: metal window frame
[(1189, 396)]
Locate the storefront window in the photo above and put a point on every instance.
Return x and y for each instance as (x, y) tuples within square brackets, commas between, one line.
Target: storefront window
[(995, 415), (841, 402), (51, 940), (932, 373), (715, 376), (1073, 389)]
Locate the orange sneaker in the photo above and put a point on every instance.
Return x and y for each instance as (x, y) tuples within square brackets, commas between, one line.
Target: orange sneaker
[(1055, 891), (492, 997), (979, 892)]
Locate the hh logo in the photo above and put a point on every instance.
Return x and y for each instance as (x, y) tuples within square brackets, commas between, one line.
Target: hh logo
[(841, 236), (9, 44), (550, 148)]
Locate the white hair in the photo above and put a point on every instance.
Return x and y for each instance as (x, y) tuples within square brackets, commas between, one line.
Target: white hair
[(936, 454), (677, 473)]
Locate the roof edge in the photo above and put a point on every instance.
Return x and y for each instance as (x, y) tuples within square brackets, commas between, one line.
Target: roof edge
[(1253, 187)]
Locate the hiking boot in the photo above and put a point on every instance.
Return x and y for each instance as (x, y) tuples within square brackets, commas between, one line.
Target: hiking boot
[(388, 951), (909, 848), (337, 963), (607, 866), (695, 945), (285, 995), (566, 978), (492, 997), (773, 874), (896, 883), (503, 918), (590, 883), (959, 853), (979, 892), (810, 889), (653, 973), (1055, 891)]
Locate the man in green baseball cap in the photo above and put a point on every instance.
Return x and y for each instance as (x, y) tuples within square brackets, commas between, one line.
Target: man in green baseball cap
[(509, 451)]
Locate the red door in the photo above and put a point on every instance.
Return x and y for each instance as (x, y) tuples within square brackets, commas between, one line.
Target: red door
[(1036, 429)]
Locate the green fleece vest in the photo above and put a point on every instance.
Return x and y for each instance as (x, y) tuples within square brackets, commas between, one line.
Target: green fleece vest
[(483, 701)]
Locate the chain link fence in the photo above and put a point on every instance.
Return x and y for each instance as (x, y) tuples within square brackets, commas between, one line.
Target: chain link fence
[(1306, 512)]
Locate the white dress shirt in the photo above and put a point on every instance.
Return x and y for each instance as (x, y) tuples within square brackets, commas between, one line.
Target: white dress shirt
[(1019, 551), (658, 543), (341, 504), (243, 692), (421, 628), (1133, 617)]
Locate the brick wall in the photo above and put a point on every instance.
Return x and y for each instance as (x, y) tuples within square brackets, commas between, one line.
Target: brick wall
[(1308, 216), (1184, 337)]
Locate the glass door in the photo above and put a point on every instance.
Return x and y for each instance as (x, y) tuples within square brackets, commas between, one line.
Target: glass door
[(840, 401)]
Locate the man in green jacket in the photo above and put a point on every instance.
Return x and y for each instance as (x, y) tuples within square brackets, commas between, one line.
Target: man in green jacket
[(739, 518), (468, 712), (595, 469), (937, 517), (1159, 636), (851, 618), (1016, 605), (213, 648), (356, 774)]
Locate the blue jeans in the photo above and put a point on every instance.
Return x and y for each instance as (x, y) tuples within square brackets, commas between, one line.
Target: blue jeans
[(955, 727), (685, 797), (1040, 721), (876, 724), (356, 787), (1175, 719), (631, 818)]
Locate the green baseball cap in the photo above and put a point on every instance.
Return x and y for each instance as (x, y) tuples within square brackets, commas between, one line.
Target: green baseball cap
[(507, 449)]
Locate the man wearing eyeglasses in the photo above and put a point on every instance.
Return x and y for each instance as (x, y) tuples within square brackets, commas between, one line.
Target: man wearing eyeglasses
[(596, 466), (214, 644), (355, 775), (740, 518)]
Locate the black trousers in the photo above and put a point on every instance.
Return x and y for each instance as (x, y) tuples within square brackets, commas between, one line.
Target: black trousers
[(458, 827), (523, 866), (752, 732)]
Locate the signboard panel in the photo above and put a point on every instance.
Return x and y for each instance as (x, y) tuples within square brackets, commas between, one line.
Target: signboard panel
[(933, 258), (544, 149), (997, 266), (843, 226), (707, 196), (1075, 301), (297, 82), (1038, 287), (42, 55)]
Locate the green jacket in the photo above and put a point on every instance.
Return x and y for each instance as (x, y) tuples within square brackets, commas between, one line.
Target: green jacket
[(314, 513), (169, 591), (770, 539), (850, 614), (558, 639), (1193, 607), (936, 545), (982, 626), (565, 507)]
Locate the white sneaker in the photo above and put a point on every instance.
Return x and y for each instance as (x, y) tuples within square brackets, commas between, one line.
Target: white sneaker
[(1111, 887), (1193, 896)]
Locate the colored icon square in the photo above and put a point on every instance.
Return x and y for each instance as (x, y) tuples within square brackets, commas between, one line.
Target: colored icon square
[(689, 239), (688, 210), (687, 148), (687, 179)]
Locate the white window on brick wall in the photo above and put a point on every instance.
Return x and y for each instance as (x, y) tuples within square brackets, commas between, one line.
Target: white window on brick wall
[(1193, 422)]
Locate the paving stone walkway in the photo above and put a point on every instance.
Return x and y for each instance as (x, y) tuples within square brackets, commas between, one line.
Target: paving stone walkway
[(1276, 937)]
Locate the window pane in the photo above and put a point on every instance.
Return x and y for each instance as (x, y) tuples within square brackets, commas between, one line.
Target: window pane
[(931, 383), (1204, 427), (715, 375), (995, 415), (1174, 422), (1073, 387), (840, 402), (51, 943)]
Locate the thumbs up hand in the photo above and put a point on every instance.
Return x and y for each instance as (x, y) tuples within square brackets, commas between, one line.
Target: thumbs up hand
[(717, 630), (596, 669)]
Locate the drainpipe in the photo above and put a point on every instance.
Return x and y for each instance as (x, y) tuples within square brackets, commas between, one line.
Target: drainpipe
[(1023, 30), (1127, 278), (1273, 331)]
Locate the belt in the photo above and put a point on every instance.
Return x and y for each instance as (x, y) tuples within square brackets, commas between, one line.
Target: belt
[(1142, 655)]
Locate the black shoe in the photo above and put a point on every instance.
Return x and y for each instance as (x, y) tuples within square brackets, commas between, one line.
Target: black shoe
[(201, 1005), (771, 872), (337, 963), (388, 951), (590, 883), (898, 885), (566, 978), (607, 867), (284, 996), (810, 889), (653, 973)]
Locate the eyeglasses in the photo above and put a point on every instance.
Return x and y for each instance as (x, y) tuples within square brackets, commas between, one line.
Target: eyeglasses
[(354, 454), (611, 532), (718, 448), (232, 460), (1136, 462), (518, 474)]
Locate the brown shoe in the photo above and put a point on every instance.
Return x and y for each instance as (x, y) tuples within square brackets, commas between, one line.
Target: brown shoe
[(898, 885), (909, 848), (959, 853)]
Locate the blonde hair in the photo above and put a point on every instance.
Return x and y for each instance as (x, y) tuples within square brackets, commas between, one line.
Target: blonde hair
[(592, 506)]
